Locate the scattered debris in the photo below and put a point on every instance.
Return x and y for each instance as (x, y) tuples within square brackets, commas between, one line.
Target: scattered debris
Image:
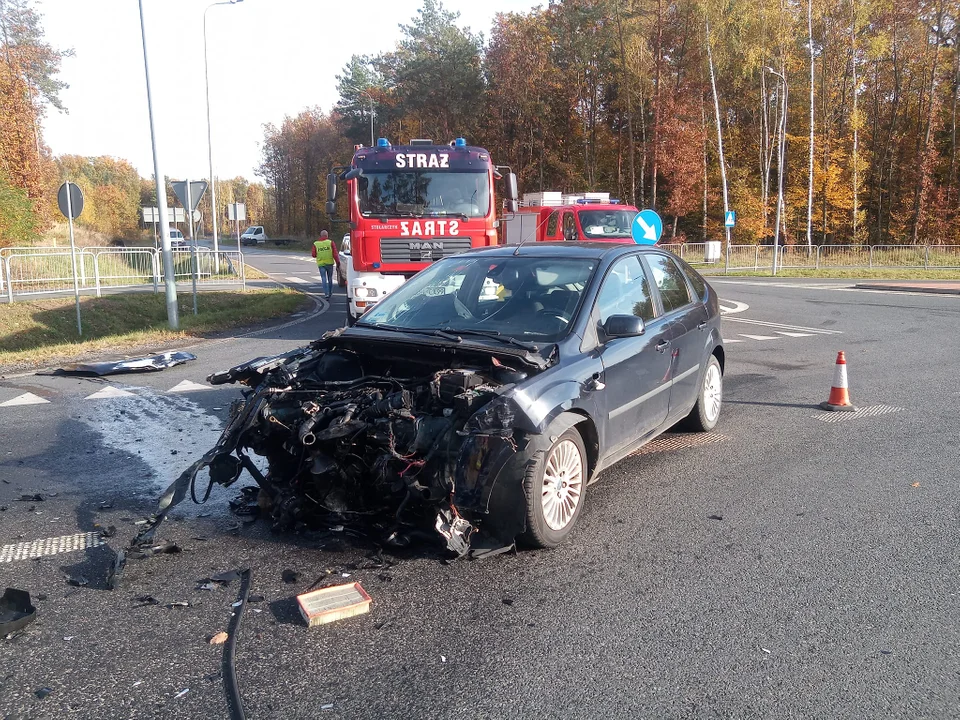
[(328, 706), (113, 576), (165, 548), (16, 611), (765, 650), (68, 638), (109, 532), (289, 576), (916, 484), (714, 517), (77, 580), (507, 601), (443, 658), (255, 598), (219, 639), (333, 603), (146, 600), (32, 498), (106, 506), (43, 692), (213, 676), (138, 682), (177, 603), (181, 694), (143, 364), (886, 652)]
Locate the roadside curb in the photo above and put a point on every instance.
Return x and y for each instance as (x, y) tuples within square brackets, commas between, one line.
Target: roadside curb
[(909, 288)]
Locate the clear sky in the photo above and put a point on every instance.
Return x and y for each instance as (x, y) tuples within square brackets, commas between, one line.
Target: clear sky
[(268, 59)]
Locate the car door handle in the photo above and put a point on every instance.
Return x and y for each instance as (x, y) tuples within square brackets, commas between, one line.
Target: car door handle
[(662, 345), (702, 325)]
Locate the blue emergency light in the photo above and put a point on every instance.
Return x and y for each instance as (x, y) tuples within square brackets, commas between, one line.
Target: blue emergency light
[(460, 142), (383, 142)]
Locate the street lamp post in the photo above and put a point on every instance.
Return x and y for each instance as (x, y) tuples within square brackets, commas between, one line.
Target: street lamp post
[(782, 143), (169, 280), (213, 184)]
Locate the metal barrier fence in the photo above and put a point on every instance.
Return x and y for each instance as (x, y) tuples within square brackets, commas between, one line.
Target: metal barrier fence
[(822, 257), (29, 271)]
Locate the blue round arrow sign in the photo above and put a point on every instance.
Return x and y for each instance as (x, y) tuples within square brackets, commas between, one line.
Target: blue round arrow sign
[(647, 228)]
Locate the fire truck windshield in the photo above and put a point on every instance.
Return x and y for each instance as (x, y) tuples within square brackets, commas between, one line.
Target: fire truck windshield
[(606, 223), (424, 194)]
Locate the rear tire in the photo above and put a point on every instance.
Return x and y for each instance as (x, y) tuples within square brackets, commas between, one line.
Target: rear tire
[(706, 413), (555, 486)]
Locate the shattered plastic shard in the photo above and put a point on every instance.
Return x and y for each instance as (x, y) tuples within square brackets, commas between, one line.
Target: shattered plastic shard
[(144, 364)]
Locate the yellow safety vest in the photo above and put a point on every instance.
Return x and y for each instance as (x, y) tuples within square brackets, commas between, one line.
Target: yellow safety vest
[(324, 252)]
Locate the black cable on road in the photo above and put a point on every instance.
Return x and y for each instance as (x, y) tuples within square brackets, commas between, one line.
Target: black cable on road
[(234, 701)]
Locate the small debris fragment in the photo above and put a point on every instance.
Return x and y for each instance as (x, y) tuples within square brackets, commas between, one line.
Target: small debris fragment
[(443, 658), (508, 601), (219, 639), (181, 694), (106, 505), (43, 692), (32, 498), (213, 676), (77, 580), (177, 603), (16, 611), (138, 682), (68, 638), (207, 586), (333, 603), (289, 576), (328, 706), (886, 652), (916, 484), (41, 596), (765, 650), (714, 517), (255, 598), (109, 532)]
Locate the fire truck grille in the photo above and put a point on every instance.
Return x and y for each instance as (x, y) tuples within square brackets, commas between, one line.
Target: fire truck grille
[(408, 250)]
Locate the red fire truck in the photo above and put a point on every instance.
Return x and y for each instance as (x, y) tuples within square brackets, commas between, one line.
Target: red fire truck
[(591, 216), (411, 205)]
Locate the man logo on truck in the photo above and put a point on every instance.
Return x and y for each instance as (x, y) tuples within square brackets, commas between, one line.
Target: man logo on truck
[(422, 160), (426, 246)]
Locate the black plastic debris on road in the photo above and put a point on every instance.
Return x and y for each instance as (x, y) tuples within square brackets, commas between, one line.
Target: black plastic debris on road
[(43, 692), (289, 576), (152, 363), (77, 580), (16, 611)]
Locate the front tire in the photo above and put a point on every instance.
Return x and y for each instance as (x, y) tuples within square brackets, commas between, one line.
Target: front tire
[(706, 413), (555, 485)]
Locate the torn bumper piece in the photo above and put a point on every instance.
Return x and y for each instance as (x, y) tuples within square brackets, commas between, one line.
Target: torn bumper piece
[(132, 365), (406, 445)]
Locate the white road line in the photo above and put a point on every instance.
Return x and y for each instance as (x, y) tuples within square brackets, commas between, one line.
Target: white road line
[(738, 307), (25, 399), (758, 337), (731, 341), (782, 326), (108, 392), (301, 281), (794, 334), (188, 386)]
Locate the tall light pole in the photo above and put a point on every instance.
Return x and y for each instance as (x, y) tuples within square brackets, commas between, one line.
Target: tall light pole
[(169, 280), (782, 148), (213, 184)]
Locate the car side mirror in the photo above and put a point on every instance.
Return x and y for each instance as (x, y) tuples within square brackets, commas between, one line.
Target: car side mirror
[(623, 326)]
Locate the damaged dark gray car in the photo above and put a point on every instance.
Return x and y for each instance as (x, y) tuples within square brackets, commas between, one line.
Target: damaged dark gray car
[(478, 400)]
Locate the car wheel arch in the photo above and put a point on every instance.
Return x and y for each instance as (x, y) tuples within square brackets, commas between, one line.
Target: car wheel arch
[(721, 356), (588, 433)]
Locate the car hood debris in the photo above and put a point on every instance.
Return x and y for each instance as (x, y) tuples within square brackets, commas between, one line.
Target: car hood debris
[(411, 437), (131, 365)]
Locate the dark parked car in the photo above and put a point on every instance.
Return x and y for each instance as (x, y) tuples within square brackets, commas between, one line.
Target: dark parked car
[(482, 397)]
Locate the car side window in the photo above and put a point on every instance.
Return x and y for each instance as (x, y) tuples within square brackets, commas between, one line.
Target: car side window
[(670, 281), (569, 227), (625, 291), (697, 282), (552, 223)]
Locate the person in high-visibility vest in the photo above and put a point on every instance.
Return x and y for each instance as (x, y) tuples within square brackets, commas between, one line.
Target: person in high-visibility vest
[(327, 256)]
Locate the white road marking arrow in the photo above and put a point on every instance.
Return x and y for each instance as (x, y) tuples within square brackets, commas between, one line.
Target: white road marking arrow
[(738, 307), (794, 334), (25, 399), (758, 337), (188, 386), (649, 231), (109, 392)]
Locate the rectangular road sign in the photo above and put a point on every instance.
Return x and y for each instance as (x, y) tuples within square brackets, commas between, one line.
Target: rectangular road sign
[(730, 219), (236, 211), (174, 215)]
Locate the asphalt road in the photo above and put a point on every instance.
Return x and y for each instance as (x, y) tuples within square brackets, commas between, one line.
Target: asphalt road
[(790, 567)]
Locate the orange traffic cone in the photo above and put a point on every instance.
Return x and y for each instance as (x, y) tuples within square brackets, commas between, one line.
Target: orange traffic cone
[(839, 396)]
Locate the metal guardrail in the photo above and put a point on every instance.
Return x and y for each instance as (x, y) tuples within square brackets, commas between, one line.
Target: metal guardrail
[(30, 271), (822, 257)]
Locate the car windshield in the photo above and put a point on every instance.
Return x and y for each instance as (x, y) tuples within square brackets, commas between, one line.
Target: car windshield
[(415, 193), (524, 298), (606, 223), (250, 230)]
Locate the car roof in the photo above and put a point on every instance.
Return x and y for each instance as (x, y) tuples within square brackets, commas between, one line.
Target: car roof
[(578, 249)]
